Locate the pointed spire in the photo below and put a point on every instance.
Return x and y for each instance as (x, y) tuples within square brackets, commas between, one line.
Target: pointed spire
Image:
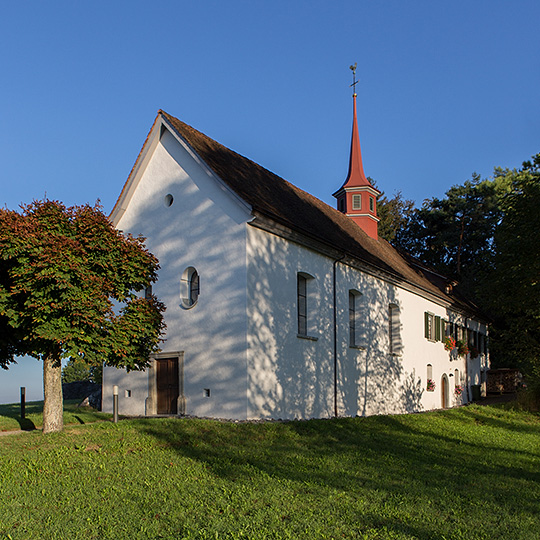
[(357, 198), (356, 176)]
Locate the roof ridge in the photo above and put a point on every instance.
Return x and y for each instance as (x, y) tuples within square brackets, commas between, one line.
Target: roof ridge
[(271, 195)]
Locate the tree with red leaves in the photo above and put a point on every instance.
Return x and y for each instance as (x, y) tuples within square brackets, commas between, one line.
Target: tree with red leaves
[(62, 271)]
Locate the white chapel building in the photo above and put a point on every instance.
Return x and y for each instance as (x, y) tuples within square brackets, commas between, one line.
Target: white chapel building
[(278, 305)]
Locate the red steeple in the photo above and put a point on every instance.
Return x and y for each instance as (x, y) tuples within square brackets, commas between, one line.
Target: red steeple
[(356, 176), (357, 198)]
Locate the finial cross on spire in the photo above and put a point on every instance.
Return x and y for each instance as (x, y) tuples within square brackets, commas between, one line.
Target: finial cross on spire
[(355, 82)]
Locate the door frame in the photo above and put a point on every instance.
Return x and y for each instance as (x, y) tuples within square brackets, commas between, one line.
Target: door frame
[(151, 400)]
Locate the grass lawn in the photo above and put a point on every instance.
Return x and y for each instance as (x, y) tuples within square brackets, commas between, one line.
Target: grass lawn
[(10, 415), (467, 473)]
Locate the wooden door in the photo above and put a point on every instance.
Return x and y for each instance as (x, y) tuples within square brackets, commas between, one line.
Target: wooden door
[(167, 385)]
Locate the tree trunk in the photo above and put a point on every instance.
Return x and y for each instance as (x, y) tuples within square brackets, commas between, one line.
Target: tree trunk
[(53, 407)]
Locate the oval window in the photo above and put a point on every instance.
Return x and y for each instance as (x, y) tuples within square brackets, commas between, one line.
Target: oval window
[(190, 287), (168, 200)]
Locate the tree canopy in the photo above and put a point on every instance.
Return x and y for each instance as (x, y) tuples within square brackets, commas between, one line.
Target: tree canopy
[(455, 234), (484, 234), (77, 370), (395, 214), (513, 290), (68, 289)]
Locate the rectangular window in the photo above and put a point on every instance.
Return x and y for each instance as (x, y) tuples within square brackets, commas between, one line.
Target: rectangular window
[(446, 328), (434, 327), (482, 343), (302, 305), (394, 330), (352, 319), (430, 383), (437, 329), (429, 326), (371, 204), (357, 202)]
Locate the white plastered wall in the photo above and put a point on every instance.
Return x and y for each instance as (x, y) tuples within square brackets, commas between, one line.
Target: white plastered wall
[(205, 228), (371, 379), (292, 377), (478, 367), (289, 377), (132, 391)]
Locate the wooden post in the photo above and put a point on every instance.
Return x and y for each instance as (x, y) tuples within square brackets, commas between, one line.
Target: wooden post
[(23, 402)]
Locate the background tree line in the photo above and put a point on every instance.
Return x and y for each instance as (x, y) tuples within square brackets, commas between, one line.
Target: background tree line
[(485, 234)]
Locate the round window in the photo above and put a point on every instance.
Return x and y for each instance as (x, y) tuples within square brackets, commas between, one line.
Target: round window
[(168, 200)]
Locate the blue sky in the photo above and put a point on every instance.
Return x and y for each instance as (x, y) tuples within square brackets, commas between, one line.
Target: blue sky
[(446, 89)]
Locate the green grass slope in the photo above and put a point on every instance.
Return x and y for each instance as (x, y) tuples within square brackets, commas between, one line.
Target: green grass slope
[(10, 415), (467, 473)]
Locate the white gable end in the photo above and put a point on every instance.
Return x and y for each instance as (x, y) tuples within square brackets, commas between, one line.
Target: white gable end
[(191, 220)]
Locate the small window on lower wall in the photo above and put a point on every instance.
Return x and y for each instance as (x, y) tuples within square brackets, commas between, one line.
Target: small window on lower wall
[(430, 383), (189, 287)]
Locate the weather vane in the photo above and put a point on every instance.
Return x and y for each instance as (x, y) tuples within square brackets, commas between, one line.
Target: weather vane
[(355, 82)]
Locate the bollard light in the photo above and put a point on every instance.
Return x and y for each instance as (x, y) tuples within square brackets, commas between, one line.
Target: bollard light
[(115, 403), (23, 402)]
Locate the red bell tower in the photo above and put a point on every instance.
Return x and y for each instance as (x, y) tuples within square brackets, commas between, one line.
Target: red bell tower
[(357, 198)]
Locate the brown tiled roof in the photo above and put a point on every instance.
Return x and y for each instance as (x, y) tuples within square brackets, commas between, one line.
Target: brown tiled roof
[(284, 203)]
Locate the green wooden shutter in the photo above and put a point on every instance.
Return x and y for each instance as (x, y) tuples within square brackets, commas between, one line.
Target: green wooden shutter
[(437, 329), (426, 325)]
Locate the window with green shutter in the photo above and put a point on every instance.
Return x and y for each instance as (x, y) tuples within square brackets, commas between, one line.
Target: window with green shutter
[(437, 329), (430, 327)]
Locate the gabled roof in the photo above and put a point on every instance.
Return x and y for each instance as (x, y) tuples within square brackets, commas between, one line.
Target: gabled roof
[(285, 204)]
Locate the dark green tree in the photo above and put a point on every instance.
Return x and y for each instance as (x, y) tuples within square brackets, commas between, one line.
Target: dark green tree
[(484, 234), (78, 370), (395, 215), (513, 289), (455, 235), (61, 270)]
